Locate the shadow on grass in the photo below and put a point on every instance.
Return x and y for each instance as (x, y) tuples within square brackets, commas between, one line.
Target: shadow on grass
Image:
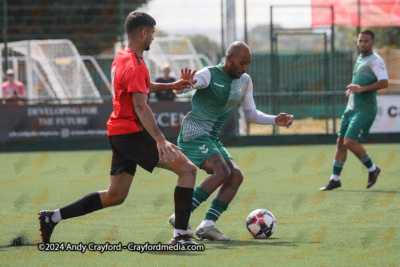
[(20, 240), (272, 242), (249, 243), (3, 248), (370, 191), (173, 253)]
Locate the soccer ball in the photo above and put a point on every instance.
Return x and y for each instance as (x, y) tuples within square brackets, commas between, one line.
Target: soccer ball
[(261, 223)]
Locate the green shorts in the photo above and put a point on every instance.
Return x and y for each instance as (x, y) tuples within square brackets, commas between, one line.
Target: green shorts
[(202, 147), (356, 124)]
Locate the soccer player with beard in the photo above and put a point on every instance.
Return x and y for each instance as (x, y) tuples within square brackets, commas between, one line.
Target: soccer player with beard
[(369, 76), (134, 136)]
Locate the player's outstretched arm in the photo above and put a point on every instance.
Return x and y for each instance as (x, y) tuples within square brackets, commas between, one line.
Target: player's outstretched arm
[(166, 150), (256, 116), (259, 117), (185, 82)]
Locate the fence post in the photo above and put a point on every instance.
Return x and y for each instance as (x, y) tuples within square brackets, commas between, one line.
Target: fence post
[(325, 63), (121, 21), (5, 34), (222, 29), (274, 65), (29, 77), (333, 69), (78, 78)]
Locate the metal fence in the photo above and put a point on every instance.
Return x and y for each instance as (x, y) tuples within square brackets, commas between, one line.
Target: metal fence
[(300, 83), (315, 113), (104, 64), (301, 86), (301, 71)]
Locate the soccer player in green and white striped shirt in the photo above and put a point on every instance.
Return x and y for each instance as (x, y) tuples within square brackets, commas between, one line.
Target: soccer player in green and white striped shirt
[(369, 75), (219, 90)]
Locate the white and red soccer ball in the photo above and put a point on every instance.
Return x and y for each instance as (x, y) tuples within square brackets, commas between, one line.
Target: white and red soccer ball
[(261, 223)]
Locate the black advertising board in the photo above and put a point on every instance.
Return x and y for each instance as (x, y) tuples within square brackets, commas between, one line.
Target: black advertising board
[(53, 121), (80, 121)]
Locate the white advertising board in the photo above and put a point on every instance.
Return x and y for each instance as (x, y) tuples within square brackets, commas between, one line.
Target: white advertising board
[(387, 119)]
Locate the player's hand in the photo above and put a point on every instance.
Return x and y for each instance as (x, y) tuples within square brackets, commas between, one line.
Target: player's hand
[(348, 92), (167, 150), (181, 84), (284, 120), (187, 78), (354, 88), (188, 75)]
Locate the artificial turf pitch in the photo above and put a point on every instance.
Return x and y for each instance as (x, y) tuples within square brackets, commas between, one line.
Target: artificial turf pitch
[(350, 226)]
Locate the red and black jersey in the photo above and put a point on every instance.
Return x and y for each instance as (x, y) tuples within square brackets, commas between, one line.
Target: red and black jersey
[(129, 74)]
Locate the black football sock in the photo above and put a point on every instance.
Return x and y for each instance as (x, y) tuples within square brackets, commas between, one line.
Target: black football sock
[(87, 204), (183, 206)]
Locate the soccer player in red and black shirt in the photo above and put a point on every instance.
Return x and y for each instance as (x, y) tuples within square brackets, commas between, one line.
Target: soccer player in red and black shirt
[(134, 136)]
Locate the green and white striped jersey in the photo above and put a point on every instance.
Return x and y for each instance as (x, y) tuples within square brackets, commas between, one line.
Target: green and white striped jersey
[(216, 96), (367, 70)]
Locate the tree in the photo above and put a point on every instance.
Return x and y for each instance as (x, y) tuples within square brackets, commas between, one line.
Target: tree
[(346, 37), (387, 37), (92, 25), (259, 37), (206, 46), (160, 33)]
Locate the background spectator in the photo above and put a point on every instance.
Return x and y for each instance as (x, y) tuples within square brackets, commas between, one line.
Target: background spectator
[(12, 89), (167, 94)]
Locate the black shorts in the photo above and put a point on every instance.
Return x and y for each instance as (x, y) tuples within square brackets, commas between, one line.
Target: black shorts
[(130, 150)]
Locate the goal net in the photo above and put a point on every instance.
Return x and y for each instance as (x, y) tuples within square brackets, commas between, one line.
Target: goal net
[(51, 69), (178, 52)]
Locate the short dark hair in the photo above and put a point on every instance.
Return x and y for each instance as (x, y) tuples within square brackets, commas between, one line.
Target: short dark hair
[(138, 20), (371, 33)]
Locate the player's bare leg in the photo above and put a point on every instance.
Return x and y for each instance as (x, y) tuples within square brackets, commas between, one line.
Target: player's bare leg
[(183, 196), (230, 180), (219, 170), (182, 166), (229, 189), (114, 195), (341, 150), (360, 152), (117, 191), (355, 147)]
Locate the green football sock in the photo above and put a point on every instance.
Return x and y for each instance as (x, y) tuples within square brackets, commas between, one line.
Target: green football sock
[(216, 209), (199, 196), (367, 161), (337, 167)]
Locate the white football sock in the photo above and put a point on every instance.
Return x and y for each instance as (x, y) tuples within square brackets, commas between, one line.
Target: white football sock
[(335, 177), (178, 232), (56, 216), (373, 168), (207, 223)]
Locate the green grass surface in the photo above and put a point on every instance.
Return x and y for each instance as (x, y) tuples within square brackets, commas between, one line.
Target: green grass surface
[(351, 226)]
